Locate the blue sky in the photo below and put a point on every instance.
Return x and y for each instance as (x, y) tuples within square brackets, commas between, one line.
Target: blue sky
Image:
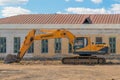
[(17, 7)]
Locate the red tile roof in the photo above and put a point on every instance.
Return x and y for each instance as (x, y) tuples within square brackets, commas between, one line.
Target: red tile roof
[(62, 19)]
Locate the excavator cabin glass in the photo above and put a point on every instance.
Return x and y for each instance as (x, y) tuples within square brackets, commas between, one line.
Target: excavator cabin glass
[(80, 42)]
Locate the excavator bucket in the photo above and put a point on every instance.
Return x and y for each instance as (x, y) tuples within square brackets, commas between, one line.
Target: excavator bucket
[(10, 58)]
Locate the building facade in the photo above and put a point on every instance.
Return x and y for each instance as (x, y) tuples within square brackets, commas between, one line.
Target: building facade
[(100, 28)]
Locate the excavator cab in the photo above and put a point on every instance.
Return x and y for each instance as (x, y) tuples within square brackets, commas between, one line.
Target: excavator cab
[(81, 45), (80, 42), (84, 47)]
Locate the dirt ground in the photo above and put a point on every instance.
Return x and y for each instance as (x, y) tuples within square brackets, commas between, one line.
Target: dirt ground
[(54, 70)]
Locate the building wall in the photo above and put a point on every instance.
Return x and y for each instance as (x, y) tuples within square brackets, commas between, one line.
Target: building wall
[(93, 32), (10, 34)]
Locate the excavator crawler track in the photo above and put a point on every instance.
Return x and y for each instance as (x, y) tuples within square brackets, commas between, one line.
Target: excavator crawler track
[(83, 60)]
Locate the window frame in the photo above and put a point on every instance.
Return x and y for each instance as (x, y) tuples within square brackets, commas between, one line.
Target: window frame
[(69, 48), (58, 45), (98, 40), (16, 44), (112, 43), (3, 45), (31, 49), (44, 46)]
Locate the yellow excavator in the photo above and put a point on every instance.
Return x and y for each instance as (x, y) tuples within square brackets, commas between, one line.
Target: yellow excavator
[(82, 46)]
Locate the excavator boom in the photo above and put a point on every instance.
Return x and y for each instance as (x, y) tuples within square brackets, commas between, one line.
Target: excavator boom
[(49, 34)]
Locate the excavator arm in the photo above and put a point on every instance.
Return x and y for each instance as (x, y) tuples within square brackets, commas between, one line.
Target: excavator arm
[(31, 36), (26, 44)]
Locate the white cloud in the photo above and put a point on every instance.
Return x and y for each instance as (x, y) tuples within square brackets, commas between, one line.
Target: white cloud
[(67, 0), (117, 0), (59, 12), (79, 0), (12, 11), (9, 2), (96, 1), (86, 11), (115, 8)]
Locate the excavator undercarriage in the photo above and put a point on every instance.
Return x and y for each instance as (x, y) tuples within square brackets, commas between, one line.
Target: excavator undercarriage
[(84, 60)]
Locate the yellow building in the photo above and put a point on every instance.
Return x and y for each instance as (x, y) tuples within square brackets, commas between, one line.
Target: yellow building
[(100, 27)]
